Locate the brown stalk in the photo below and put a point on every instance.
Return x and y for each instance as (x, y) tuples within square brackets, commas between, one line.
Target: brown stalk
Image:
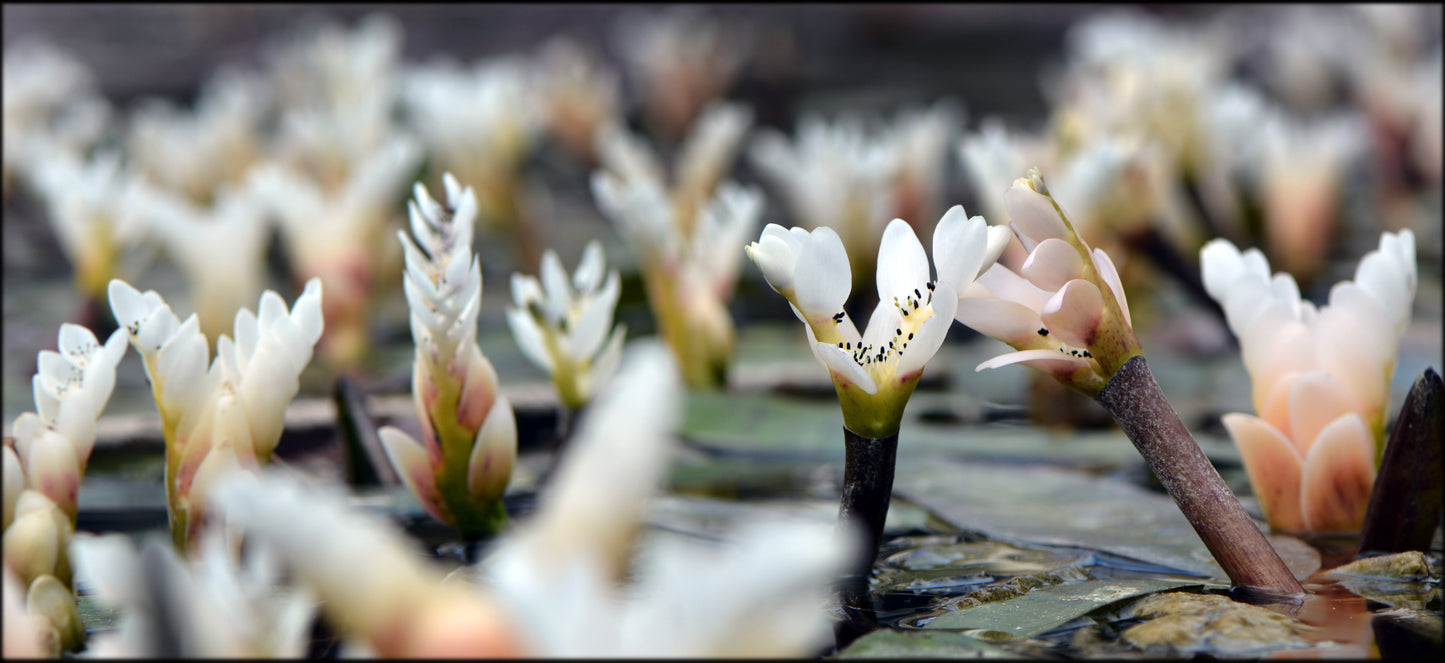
[(1237, 544)]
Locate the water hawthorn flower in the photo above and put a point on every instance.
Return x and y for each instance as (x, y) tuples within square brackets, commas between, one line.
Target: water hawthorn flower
[(1064, 311), (675, 229), (230, 414), (44, 461), (875, 372), (561, 326), (469, 433), (1320, 379)]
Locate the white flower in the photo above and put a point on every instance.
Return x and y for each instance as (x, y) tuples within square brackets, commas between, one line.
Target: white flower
[(207, 606), (1064, 311), (561, 326), (583, 95), (681, 59), (231, 412), (1320, 379), (906, 329), (90, 205), (454, 387), (71, 389), (50, 106)]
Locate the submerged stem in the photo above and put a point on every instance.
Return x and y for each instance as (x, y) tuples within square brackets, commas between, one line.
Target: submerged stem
[(1237, 544), (867, 490)]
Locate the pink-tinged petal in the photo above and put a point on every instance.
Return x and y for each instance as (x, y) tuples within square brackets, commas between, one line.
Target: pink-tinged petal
[(1275, 410), (1032, 214), (1106, 269), (14, 483), (1001, 319), (1281, 350), (1274, 467), (1339, 473), (51, 468), (412, 464), (479, 391), (1051, 264), (1051, 361), (1353, 366), (902, 264), (1315, 400), (960, 248), (1073, 315), (930, 334), (822, 278), (1005, 284), (840, 363), (490, 466)]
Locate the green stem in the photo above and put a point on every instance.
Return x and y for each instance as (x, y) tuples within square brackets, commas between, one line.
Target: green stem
[(1237, 544)]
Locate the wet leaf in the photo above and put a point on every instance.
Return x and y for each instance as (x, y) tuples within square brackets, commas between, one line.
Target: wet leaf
[(1044, 608), (889, 643)]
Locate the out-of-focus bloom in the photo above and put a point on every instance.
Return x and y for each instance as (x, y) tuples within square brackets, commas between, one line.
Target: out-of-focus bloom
[(583, 95), (681, 60), (676, 231), (766, 585), (561, 326), (922, 136), (876, 372), (339, 235), (208, 606), (339, 71), (71, 389), (231, 413), (1304, 169), (1064, 311), (27, 635), (379, 595), (50, 105), (1320, 379), (478, 123), (90, 204), (469, 434), (197, 152), (219, 246)]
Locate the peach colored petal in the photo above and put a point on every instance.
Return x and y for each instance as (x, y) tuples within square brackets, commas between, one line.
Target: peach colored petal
[(1339, 473), (1315, 400), (1275, 410), (1274, 469), (1073, 314), (1052, 263), (410, 459)]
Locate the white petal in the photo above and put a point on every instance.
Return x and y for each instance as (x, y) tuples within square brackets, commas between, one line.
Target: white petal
[(902, 264), (590, 269), (1106, 269), (1073, 315), (841, 363), (1219, 265), (525, 289), (1052, 361), (605, 366), (822, 277), (529, 338), (1033, 215), (1051, 264), (1005, 284), (594, 321), (959, 248), (555, 286), (1001, 319)]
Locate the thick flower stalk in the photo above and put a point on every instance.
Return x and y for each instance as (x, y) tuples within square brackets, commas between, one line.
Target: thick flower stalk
[(1065, 314), (562, 326), (222, 412), (1320, 379), (675, 230), (469, 434), (875, 372)]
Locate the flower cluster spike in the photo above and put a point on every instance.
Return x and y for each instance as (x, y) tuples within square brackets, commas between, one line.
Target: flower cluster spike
[(561, 326), (1064, 311), (469, 434), (875, 372), (44, 461), (1320, 379), (675, 228), (221, 413)]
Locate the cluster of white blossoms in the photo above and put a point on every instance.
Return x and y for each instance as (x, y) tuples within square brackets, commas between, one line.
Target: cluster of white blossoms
[(44, 460), (675, 226), (875, 372), (469, 434), (1320, 376), (218, 413), (562, 326)]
